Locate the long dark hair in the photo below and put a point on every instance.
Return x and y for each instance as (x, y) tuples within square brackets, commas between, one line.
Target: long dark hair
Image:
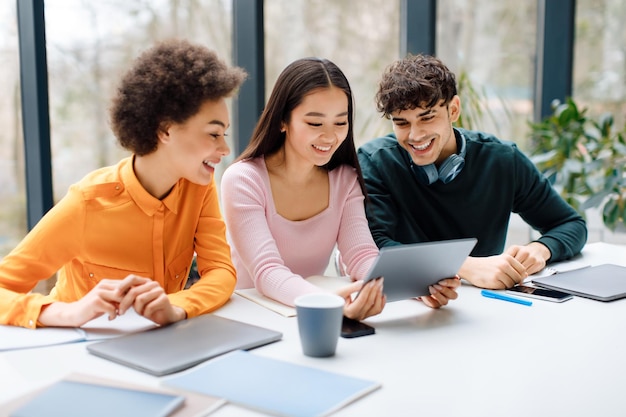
[(297, 80)]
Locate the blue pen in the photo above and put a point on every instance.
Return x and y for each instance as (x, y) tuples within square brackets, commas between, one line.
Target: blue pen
[(498, 296)]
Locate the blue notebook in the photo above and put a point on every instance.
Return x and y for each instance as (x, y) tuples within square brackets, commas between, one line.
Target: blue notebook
[(272, 386), (80, 399)]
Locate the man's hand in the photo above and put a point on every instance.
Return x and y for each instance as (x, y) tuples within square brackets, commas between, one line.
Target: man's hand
[(441, 293), (508, 269), (495, 272), (532, 256)]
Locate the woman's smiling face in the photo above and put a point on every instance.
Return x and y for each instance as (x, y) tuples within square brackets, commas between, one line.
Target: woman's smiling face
[(198, 144), (317, 126)]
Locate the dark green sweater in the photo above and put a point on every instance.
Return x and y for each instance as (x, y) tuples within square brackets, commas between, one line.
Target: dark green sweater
[(497, 179)]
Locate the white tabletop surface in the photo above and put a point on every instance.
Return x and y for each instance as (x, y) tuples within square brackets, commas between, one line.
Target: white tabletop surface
[(474, 357)]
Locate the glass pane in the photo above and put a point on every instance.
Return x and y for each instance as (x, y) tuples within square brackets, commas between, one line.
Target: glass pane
[(600, 57), (360, 36), (89, 45), (12, 178), (599, 75), (493, 46)]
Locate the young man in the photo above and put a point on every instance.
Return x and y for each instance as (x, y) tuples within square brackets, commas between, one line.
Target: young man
[(429, 181)]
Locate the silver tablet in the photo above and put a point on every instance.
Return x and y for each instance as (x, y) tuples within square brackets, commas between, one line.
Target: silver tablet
[(410, 269)]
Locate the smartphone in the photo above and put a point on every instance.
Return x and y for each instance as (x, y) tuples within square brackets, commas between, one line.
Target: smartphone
[(540, 293), (354, 328)]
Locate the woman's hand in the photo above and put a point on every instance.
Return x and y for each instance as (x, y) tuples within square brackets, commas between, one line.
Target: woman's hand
[(150, 300), (370, 300), (114, 298), (104, 298)]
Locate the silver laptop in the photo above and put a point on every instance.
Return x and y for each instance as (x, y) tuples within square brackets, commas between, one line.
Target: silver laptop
[(181, 345), (605, 282), (410, 269)]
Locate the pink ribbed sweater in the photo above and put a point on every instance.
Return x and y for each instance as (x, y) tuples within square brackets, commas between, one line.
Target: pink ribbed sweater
[(274, 254)]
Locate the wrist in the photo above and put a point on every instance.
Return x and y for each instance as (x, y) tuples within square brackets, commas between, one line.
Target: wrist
[(542, 249), (465, 272), (53, 314), (179, 313)]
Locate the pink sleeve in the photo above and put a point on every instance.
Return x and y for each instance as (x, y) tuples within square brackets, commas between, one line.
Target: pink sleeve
[(244, 201), (355, 243)]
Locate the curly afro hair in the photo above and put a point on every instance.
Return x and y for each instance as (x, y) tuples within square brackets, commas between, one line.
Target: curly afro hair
[(415, 81), (167, 83)]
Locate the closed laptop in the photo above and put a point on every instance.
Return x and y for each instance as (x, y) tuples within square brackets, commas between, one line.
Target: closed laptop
[(181, 345), (605, 282)]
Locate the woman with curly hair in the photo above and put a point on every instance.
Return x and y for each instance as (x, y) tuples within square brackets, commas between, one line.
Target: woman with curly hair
[(124, 236)]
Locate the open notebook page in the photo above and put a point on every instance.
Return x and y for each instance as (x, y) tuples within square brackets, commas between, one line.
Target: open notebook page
[(327, 283), (13, 337)]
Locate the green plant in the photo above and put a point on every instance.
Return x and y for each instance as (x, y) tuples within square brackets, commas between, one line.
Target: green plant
[(475, 109), (473, 103), (584, 159)]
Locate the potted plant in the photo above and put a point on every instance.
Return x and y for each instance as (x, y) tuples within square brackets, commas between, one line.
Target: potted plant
[(584, 158)]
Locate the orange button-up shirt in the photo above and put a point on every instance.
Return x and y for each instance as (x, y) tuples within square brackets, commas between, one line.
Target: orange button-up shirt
[(107, 227)]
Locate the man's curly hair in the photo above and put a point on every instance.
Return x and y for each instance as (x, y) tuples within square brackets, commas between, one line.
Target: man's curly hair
[(415, 81), (167, 83)]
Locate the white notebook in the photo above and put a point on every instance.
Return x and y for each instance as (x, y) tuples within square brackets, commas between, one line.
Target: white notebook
[(14, 337)]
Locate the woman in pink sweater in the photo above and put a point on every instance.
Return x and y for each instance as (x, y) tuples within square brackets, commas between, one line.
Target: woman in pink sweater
[(297, 191)]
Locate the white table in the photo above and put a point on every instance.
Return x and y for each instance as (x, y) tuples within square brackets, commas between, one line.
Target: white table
[(475, 357)]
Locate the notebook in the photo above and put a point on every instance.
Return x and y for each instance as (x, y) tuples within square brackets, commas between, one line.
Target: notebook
[(327, 283), (80, 399), (195, 405), (13, 337), (605, 282), (410, 269), (557, 268), (272, 386), (183, 344)]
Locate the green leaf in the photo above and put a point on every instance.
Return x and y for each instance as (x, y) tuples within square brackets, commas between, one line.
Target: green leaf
[(595, 200), (610, 213), (605, 124), (544, 157)]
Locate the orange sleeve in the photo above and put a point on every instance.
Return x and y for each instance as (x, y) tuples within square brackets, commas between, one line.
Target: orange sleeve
[(217, 273), (47, 247)]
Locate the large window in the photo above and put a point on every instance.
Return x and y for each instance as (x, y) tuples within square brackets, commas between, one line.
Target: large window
[(600, 58), (361, 37), (12, 182), (89, 45), (600, 77), (491, 46)]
